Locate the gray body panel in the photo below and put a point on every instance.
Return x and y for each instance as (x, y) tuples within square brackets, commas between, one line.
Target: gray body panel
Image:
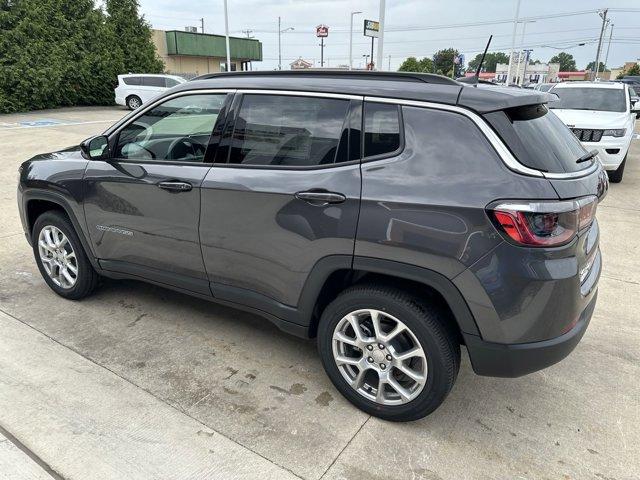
[(123, 197), (256, 235)]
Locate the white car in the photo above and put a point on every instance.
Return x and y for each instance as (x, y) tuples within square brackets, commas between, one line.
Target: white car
[(602, 115), (134, 90)]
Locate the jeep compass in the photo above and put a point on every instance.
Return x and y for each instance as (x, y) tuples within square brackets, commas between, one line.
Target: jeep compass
[(394, 217)]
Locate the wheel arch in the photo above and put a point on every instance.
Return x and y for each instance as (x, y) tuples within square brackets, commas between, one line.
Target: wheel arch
[(39, 202), (333, 274)]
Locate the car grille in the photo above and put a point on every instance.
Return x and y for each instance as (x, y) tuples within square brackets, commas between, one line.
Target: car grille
[(587, 135)]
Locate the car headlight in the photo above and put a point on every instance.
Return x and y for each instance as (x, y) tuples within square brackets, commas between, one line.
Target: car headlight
[(619, 132)]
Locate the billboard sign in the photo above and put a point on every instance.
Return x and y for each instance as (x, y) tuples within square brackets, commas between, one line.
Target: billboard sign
[(371, 28), (322, 31)]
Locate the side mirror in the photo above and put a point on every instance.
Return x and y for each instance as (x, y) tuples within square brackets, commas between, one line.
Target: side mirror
[(95, 148)]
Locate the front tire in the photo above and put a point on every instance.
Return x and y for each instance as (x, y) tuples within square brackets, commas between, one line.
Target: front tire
[(60, 257), (388, 352), (615, 176)]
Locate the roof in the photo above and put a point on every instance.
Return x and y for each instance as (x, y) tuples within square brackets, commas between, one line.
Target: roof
[(611, 85), (406, 86)]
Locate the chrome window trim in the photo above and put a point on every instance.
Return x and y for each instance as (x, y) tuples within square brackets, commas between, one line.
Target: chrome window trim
[(131, 117), (503, 152), (298, 93)]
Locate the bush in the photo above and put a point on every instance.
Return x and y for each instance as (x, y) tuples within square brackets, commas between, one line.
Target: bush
[(56, 53)]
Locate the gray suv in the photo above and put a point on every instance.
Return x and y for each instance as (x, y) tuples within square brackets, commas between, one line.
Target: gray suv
[(394, 217)]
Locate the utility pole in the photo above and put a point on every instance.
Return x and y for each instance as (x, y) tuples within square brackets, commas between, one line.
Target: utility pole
[(602, 14), (351, 41), (513, 40), (606, 58), (226, 35), (202, 24), (381, 37), (279, 45), (389, 67), (527, 52), (248, 33)]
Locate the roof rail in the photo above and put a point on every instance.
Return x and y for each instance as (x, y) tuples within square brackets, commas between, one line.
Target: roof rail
[(359, 74)]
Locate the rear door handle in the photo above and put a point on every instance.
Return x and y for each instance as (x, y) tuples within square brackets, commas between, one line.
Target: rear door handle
[(320, 197), (175, 186)]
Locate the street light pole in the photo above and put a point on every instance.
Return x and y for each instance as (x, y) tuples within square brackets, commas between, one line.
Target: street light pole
[(280, 32), (513, 40), (226, 34), (524, 28), (381, 37), (603, 14), (351, 41)]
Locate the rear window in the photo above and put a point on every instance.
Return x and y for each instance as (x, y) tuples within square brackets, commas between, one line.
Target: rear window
[(602, 99), (539, 139), (132, 80), (381, 129)]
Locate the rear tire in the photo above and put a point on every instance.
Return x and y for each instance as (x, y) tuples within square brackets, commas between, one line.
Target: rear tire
[(60, 257), (378, 384), (615, 176), (133, 102)]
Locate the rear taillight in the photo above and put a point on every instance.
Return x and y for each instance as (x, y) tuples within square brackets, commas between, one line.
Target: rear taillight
[(544, 223)]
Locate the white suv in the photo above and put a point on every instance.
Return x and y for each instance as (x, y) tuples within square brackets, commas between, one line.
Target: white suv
[(135, 89), (602, 115)]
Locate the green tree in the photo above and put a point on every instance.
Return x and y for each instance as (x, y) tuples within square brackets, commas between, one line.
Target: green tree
[(412, 64), (634, 70), (566, 61), (490, 61), (591, 66), (443, 63), (132, 34)]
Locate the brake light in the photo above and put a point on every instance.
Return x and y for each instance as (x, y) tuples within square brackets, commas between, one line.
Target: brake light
[(544, 223)]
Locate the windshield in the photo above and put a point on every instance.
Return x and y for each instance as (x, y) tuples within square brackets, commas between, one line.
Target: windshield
[(603, 99)]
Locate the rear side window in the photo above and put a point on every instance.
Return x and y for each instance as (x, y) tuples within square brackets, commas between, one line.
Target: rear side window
[(539, 139), (171, 82), (381, 129), (153, 81), (132, 80), (281, 130)]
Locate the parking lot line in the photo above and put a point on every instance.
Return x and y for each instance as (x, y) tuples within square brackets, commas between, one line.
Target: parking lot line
[(86, 422)]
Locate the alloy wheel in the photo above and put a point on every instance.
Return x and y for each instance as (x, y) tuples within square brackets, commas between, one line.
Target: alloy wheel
[(380, 357), (58, 257)]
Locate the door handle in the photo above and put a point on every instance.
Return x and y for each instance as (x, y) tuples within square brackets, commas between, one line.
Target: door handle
[(320, 197), (175, 186)]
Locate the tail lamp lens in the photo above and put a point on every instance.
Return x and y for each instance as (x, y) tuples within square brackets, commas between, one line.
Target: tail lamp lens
[(544, 224)]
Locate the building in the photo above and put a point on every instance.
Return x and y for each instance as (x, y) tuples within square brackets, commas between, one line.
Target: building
[(578, 76), (524, 72), (300, 64), (190, 54)]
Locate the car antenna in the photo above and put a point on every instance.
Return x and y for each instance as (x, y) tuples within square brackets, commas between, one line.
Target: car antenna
[(477, 75)]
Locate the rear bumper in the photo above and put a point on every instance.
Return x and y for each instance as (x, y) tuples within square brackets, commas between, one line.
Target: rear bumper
[(514, 360)]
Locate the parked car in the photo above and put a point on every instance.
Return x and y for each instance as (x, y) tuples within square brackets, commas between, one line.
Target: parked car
[(602, 115), (394, 217), (633, 82), (134, 90), (544, 87)]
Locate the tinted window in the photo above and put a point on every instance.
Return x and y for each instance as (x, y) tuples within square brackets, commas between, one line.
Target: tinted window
[(286, 130), (381, 129), (171, 82), (177, 130), (153, 81), (132, 80), (603, 99), (539, 139)]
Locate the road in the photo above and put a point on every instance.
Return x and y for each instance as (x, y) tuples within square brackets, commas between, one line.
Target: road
[(139, 382)]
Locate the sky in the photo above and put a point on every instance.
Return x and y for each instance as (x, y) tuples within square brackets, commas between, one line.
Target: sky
[(413, 28)]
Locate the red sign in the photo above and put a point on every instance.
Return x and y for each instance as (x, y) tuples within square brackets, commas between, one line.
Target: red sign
[(322, 31)]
